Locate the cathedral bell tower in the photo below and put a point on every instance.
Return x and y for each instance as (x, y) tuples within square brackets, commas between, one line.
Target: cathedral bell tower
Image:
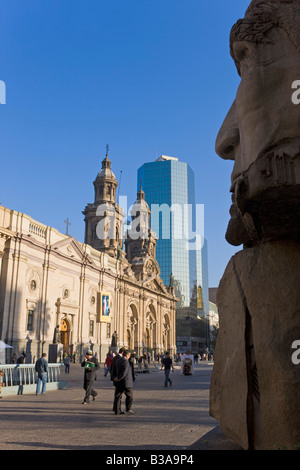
[(104, 218), (140, 242), (136, 241)]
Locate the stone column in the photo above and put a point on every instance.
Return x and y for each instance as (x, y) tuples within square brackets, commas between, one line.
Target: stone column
[(141, 315), (3, 239)]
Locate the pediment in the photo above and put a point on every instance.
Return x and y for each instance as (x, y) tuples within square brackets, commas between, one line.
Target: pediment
[(156, 284), (71, 249)]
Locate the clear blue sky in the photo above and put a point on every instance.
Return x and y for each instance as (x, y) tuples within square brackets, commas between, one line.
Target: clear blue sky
[(147, 77)]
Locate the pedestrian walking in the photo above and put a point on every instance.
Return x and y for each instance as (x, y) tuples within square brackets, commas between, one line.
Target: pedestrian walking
[(67, 362), (113, 372), (107, 364), (41, 367), (91, 365), (2, 383), (131, 363), (167, 364), (113, 363), (123, 384)]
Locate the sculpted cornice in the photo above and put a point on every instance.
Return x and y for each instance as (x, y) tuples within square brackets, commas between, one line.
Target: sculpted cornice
[(65, 304), (6, 233)]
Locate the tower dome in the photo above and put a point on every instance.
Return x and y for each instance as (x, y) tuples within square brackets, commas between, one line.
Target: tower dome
[(105, 183), (141, 210), (106, 171)]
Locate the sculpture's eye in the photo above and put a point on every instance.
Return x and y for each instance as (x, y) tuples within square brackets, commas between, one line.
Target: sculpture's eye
[(242, 53)]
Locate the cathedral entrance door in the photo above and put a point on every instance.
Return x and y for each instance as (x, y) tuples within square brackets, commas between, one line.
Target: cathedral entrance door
[(64, 335)]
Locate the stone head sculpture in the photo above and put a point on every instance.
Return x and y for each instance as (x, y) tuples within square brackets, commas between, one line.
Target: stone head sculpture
[(261, 132)]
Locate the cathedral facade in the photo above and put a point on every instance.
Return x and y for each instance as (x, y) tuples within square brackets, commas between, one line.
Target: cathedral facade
[(103, 293)]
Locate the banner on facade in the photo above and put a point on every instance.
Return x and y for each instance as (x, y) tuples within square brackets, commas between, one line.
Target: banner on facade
[(104, 305)]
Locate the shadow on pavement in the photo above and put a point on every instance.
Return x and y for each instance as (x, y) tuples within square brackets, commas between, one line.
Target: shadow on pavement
[(214, 440)]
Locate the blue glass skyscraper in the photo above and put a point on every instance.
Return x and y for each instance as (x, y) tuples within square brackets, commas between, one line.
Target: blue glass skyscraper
[(169, 188)]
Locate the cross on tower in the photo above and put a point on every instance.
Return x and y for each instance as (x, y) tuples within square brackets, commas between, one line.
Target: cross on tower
[(107, 149), (67, 222)]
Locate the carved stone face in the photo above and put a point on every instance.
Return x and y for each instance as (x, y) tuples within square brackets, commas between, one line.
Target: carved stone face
[(262, 125)]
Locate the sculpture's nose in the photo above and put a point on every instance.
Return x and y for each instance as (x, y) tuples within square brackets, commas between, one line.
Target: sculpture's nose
[(229, 136)]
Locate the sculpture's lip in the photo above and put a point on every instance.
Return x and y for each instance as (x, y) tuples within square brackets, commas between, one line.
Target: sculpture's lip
[(232, 187), (280, 149), (233, 184)]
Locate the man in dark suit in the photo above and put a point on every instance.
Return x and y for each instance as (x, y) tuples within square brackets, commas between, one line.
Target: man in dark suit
[(113, 363), (123, 384), (91, 365)]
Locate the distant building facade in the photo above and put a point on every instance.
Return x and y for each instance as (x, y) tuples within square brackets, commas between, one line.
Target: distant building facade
[(213, 317), (169, 183), (54, 289)]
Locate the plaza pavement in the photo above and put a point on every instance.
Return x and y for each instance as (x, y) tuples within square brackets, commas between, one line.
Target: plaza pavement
[(173, 418)]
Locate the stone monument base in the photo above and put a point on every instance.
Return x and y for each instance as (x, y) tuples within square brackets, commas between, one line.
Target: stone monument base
[(55, 353), (255, 386)]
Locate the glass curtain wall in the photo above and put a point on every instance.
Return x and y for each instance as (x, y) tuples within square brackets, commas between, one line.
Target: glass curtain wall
[(170, 193)]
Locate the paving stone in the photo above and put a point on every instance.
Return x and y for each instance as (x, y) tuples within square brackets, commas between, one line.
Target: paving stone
[(173, 418)]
